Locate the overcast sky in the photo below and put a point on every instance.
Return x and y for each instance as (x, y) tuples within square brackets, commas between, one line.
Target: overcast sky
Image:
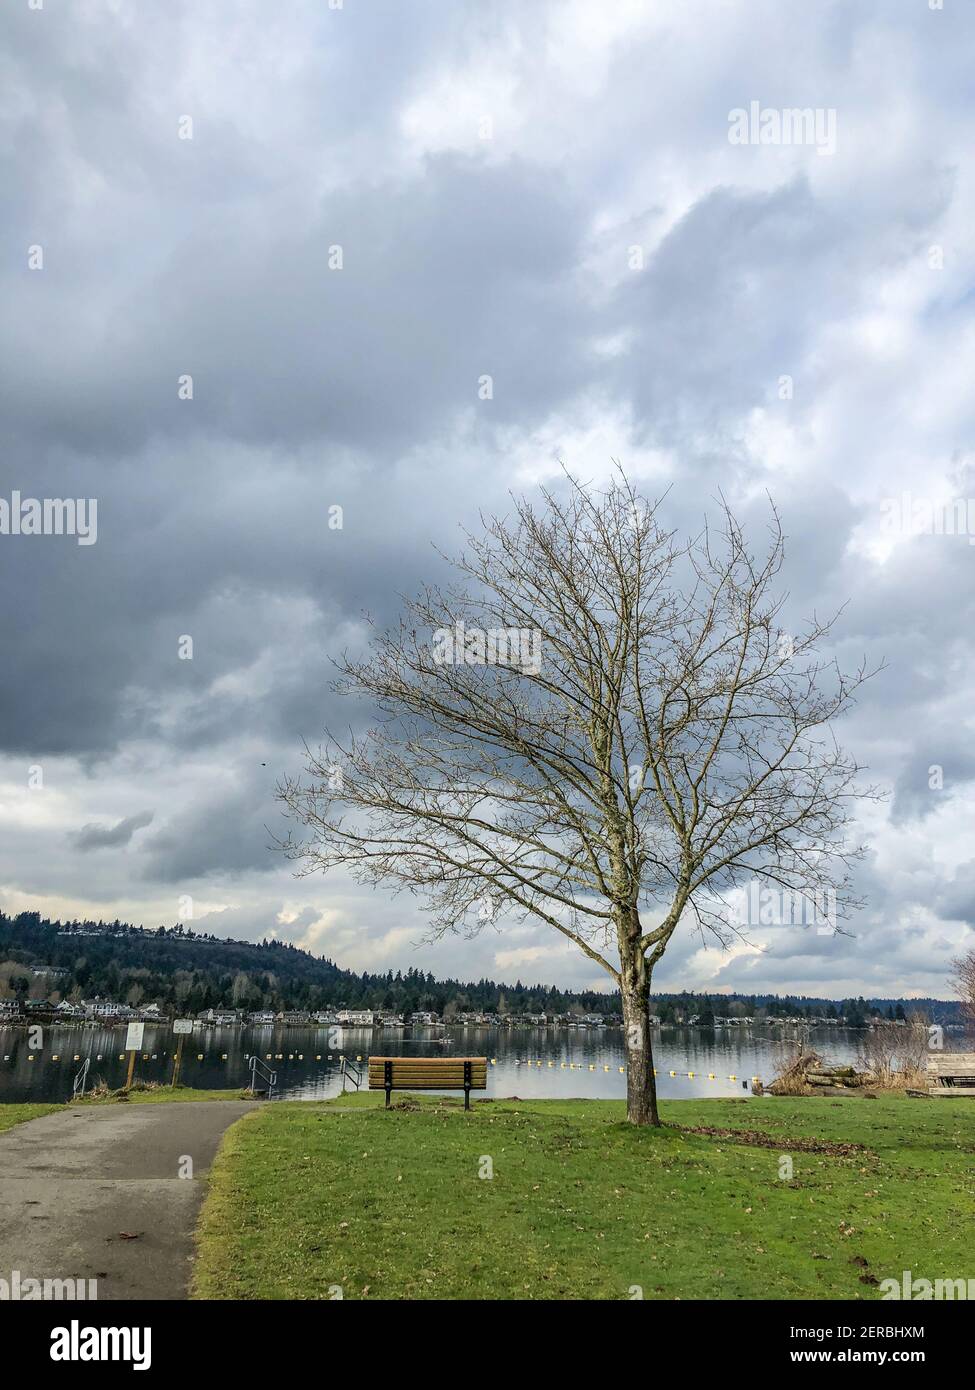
[(545, 193)]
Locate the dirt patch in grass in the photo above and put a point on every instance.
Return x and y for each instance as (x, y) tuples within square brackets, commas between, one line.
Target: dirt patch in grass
[(758, 1139)]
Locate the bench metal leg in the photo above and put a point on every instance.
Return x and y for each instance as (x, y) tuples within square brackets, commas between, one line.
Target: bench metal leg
[(388, 1080), (467, 1085)]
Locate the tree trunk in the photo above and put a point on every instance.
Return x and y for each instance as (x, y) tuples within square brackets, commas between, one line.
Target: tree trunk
[(641, 1087)]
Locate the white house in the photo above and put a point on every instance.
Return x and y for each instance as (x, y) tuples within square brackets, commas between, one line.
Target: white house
[(105, 1008)]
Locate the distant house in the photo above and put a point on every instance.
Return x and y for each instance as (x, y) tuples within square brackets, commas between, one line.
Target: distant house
[(68, 1010), (294, 1016), (9, 1008), (224, 1018), (423, 1017), (357, 1018), (264, 1017), (106, 1008)]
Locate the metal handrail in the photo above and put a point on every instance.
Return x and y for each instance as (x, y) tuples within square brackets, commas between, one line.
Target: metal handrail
[(350, 1072), (267, 1075), (80, 1081)]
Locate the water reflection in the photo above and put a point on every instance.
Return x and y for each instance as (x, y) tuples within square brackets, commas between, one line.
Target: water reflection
[(574, 1062)]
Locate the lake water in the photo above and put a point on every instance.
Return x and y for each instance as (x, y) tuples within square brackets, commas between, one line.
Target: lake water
[(551, 1062)]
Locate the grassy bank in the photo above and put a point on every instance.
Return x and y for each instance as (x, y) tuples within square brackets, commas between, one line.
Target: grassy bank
[(17, 1114), (14, 1113), (159, 1095), (306, 1197)]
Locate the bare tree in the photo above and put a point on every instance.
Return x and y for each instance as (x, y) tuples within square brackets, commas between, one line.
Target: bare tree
[(964, 982), (598, 728)]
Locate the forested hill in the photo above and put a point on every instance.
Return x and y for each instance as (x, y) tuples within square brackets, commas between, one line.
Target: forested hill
[(177, 967)]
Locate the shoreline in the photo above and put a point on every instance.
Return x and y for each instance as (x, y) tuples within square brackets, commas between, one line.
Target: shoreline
[(40, 1021)]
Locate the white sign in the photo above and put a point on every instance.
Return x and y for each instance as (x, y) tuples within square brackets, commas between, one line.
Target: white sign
[(182, 1025), (133, 1037)]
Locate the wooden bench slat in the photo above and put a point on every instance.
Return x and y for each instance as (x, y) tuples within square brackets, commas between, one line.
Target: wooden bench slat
[(379, 1079), (399, 1072), (438, 1085), (448, 1082), (446, 1071), (425, 1061), (454, 1066)]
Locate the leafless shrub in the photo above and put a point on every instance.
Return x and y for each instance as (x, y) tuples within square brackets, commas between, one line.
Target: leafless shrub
[(964, 982), (895, 1054), (790, 1079)]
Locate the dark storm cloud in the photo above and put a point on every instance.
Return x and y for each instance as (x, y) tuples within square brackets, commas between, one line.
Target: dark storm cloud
[(111, 836), (284, 350), (956, 897), (226, 833)]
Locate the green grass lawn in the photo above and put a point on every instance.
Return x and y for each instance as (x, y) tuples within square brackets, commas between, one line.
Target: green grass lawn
[(11, 1115), (308, 1196)]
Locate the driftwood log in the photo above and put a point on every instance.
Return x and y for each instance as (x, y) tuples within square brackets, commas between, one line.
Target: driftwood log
[(807, 1074), (843, 1076)]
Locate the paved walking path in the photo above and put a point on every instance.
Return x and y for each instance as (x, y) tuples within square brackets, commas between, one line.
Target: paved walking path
[(71, 1183)]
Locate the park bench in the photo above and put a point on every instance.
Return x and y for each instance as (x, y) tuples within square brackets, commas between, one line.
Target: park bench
[(428, 1074), (951, 1074)]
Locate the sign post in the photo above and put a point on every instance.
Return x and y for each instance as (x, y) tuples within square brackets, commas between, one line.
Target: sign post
[(181, 1026), (133, 1044)]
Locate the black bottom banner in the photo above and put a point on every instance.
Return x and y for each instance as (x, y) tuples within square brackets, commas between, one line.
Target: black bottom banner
[(148, 1339)]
